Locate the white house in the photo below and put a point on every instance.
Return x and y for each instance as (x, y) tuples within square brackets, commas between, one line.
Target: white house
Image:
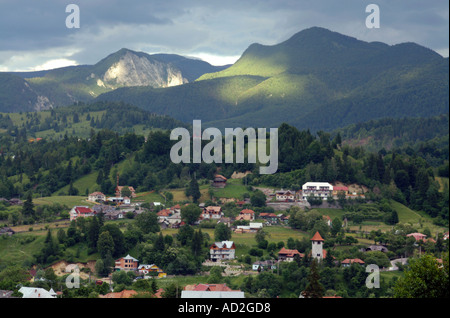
[(317, 189), (34, 292), (97, 197), (80, 211), (285, 195), (222, 251)]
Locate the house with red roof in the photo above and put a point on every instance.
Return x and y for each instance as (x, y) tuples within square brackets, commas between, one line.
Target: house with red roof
[(288, 255), (123, 294), (246, 214), (97, 197), (80, 211), (349, 261), (417, 236), (211, 213), (269, 217)]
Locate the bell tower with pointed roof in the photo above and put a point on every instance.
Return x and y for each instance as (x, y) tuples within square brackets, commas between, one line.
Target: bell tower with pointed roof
[(317, 246)]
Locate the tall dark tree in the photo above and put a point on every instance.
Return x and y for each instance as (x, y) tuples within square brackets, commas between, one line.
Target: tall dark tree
[(314, 289), (28, 206), (193, 190)]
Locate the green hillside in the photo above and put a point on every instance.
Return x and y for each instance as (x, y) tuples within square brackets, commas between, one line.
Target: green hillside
[(317, 79), (29, 91)]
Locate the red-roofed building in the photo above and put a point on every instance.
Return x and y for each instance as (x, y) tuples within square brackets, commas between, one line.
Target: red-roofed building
[(208, 287), (211, 213), (80, 211), (288, 255), (417, 236), (247, 215), (123, 294), (349, 261), (317, 250), (120, 188), (270, 217), (336, 190), (164, 213)]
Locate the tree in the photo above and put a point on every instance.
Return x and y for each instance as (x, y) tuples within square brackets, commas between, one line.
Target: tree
[(159, 245), (126, 192), (314, 289), (425, 278), (197, 242), (190, 213), (193, 190), (105, 244), (148, 222), (258, 198), (28, 207), (49, 251), (336, 227), (222, 232), (260, 236), (215, 275), (117, 236), (93, 232)]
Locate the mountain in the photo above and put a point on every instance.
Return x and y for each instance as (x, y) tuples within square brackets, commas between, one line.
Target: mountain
[(17, 95), (64, 86), (317, 79)]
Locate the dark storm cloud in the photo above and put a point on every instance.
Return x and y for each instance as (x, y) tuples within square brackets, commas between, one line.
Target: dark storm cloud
[(34, 31)]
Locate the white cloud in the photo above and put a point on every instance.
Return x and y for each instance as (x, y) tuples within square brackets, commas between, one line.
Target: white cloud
[(57, 63)]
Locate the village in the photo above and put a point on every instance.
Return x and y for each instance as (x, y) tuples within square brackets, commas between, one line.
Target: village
[(222, 254)]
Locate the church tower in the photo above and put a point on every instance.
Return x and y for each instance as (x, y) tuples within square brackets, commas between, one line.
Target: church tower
[(317, 247)]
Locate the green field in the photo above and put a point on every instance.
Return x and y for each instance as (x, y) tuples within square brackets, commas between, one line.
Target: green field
[(233, 189), (70, 201)]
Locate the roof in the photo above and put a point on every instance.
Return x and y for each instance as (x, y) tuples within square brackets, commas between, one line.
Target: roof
[(247, 211), (340, 188), (213, 208), (317, 237), (352, 260), (220, 176), (129, 257), (317, 184), (271, 215), (82, 210), (96, 193), (123, 294), (34, 292), (289, 253), (164, 212), (211, 294), (417, 236), (224, 244)]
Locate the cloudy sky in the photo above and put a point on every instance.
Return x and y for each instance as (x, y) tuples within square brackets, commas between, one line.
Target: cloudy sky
[(34, 36)]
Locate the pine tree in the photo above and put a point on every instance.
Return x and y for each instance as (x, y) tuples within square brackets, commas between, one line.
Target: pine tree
[(314, 289), (193, 190), (28, 206)]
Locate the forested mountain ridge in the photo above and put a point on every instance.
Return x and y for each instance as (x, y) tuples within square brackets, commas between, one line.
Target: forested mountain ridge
[(31, 91), (317, 79)]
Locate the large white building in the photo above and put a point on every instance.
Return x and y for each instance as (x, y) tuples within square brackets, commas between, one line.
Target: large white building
[(317, 189), (222, 251)]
